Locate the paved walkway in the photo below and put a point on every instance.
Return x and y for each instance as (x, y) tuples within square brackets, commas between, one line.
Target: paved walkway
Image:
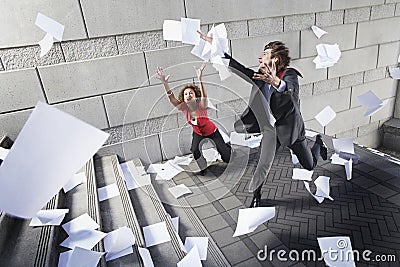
[(366, 208)]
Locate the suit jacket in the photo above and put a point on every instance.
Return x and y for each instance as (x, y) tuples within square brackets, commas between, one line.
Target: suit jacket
[(284, 106)]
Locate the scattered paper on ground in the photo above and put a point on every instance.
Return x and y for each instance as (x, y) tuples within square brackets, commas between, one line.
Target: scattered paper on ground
[(192, 259), (75, 180), (108, 191), (84, 239), (323, 189), (302, 174), (49, 217), (200, 242), (179, 190), (80, 223), (146, 257), (339, 247), (249, 219), (156, 234), (119, 243), (79, 257)]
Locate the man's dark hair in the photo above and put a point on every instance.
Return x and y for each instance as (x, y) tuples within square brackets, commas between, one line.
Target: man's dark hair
[(280, 51)]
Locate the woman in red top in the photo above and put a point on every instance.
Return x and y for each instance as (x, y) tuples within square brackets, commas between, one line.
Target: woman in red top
[(192, 101)]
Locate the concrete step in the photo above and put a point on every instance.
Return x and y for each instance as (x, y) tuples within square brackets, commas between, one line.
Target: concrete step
[(391, 134)]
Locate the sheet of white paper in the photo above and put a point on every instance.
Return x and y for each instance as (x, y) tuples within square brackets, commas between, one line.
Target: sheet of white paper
[(146, 257), (172, 30), (79, 257), (318, 31), (126, 174), (307, 186), (175, 223), (311, 133), (76, 180), (340, 245), (135, 176), (185, 160), (302, 174), (189, 31), (211, 154), (3, 153), (348, 166), (371, 102), (192, 259), (343, 144), (250, 219), (295, 160), (335, 159), (179, 190), (373, 110), (223, 71), (84, 239), (238, 139), (50, 26), (199, 49), (108, 191), (165, 171), (80, 223), (200, 242), (61, 142), (395, 73), (325, 116), (328, 55), (323, 189), (46, 44), (115, 255), (156, 234), (49, 217), (254, 141), (119, 243)]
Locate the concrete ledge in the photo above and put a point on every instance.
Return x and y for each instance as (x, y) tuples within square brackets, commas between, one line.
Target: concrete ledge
[(342, 4)]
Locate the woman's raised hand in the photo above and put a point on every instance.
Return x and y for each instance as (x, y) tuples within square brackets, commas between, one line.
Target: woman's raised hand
[(161, 75), (199, 72)]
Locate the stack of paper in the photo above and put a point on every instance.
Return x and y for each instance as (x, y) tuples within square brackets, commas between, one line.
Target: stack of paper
[(49, 217), (79, 257), (52, 28), (322, 184), (81, 233), (118, 243), (325, 116), (250, 219), (328, 55), (61, 143), (337, 251), (371, 102)]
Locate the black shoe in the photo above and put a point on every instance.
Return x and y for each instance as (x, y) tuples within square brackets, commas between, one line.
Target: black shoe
[(255, 203), (323, 149), (202, 172)]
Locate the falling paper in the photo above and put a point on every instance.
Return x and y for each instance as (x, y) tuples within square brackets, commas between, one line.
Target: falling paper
[(220, 65), (198, 50), (395, 73), (119, 243), (156, 234), (189, 31), (80, 223), (49, 217), (371, 102), (295, 160), (302, 174), (348, 165), (250, 219), (179, 190), (172, 30), (337, 251), (200, 242), (61, 142), (3, 153), (75, 180), (344, 145), (211, 154), (146, 257), (79, 257), (192, 259), (84, 239), (318, 31), (322, 184), (108, 192), (50, 26), (325, 116), (328, 55)]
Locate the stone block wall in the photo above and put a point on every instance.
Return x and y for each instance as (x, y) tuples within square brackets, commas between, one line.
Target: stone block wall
[(103, 70)]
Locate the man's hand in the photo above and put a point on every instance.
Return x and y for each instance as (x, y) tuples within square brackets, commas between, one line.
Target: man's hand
[(161, 76), (268, 74), (205, 37)]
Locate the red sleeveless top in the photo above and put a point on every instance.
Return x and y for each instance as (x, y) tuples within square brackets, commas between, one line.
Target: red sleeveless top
[(204, 126)]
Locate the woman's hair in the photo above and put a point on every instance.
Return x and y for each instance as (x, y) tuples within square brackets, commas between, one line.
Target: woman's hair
[(280, 51), (195, 88)]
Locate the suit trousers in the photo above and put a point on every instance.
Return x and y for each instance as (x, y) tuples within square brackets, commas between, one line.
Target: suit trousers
[(307, 158), (216, 137)]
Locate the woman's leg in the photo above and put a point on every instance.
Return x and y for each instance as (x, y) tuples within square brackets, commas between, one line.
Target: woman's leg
[(222, 147), (196, 151)]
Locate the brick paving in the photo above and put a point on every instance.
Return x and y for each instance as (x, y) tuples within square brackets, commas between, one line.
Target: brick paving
[(366, 208)]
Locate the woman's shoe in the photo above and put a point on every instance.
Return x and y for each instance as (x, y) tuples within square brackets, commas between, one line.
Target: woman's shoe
[(323, 150)]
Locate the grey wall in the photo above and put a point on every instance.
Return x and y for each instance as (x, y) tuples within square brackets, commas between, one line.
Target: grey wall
[(102, 70)]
